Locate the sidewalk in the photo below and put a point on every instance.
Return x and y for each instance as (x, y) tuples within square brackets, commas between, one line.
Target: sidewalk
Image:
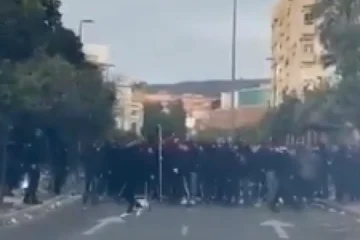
[(352, 208), (14, 211)]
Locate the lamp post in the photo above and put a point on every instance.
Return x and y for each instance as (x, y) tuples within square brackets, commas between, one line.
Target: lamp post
[(233, 64), (81, 23), (160, 160), (160, 156)]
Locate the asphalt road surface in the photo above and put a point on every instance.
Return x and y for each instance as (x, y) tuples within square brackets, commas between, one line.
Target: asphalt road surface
[(106, 222)]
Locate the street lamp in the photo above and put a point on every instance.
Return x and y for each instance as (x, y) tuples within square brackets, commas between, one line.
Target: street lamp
[(233, 62), (81, 23), (160, 156), (160, 160)]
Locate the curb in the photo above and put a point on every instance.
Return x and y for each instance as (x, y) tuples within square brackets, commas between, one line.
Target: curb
[(29, 213), (337, 207)]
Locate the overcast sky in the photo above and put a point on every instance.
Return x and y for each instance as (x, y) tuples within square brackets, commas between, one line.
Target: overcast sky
[(174, 40)]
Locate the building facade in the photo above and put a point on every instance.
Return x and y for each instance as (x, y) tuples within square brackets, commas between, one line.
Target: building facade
[(259, 96), (296, 50), (228, 119), (226, 99), (128, 110), (196, 106), (99, 55), (246, 97)]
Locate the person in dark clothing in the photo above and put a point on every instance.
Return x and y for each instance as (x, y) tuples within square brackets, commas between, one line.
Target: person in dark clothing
[(135, 175)]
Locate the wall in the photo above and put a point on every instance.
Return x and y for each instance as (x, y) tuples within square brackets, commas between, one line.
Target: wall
[(225, 100), (97, 53), (226, 119), (255, 96)]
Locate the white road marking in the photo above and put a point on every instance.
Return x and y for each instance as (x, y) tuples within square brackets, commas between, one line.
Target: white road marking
[(103, 223), (278, 227), (125, 215), (184, 230), (332, 210)]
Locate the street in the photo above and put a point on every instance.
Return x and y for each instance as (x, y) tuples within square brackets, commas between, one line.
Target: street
[(164, 222)]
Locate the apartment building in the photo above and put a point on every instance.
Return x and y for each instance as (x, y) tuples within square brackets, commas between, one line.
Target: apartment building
[(128, 109), (99, 55), (296, 51)]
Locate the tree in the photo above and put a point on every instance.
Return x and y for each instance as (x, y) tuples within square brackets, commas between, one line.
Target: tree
[(281, 121), (340, 35), (153, 116), (51, 99), (177, 118), (69, 106), (30, 25), (171, 118)]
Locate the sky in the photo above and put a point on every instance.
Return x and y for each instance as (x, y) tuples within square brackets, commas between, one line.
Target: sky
[(165, 41)]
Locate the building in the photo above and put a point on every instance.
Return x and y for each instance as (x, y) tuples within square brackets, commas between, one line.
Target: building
[(136, 117), (128, 110), (96, 53), (258, 96), (296, 49), (226, 98), (228, 119), (247, 97), (99, 55), (191, 102), (196, 106), (161, 97)]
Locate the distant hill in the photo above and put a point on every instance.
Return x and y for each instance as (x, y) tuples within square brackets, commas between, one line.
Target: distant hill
[(209, 88)]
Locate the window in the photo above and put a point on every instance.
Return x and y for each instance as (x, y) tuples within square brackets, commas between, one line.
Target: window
[(308, 48), (308, 19), (133, 112)]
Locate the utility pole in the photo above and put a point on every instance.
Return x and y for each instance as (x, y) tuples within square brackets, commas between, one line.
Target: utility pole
[(160, 161), (233, 66)]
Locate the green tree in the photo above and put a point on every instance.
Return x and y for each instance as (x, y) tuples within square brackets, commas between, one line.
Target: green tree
[(29, 25), (70, 105), (177, 118), (340, 35), (281, 121), (153, 116), (171, 118)]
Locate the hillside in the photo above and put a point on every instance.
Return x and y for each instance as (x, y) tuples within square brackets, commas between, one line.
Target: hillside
[(210, 88)]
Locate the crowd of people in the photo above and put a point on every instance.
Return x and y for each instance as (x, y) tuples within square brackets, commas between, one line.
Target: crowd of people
[(222, 173)]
